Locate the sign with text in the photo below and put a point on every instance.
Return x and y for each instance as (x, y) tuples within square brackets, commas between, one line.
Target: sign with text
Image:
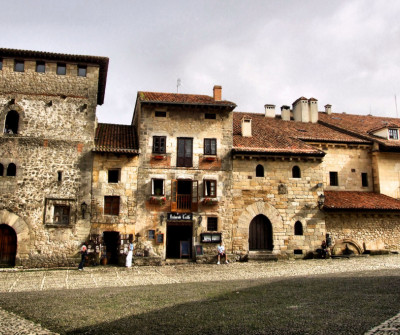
[(179, 216)]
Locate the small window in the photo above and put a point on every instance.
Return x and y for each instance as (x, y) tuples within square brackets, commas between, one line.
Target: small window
[(296, 173), (61, 215), (159, 144), (19, 66), (259, 171), (393, 134), (82, 70), (61, 69), (364, 179), (333, 179), (210, 116), (1, 64), (111, 205), (210, 146), (11, 170), (11, 124), (297, 251), (157, 187), (210, 188), (113, 176), (212, 224), (298, 228), (160, 114), (1, 170), (40, 67), (151, 234), (59, 175)]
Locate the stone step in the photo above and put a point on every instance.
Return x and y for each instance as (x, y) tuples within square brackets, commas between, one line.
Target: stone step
[(177, 261), (262, 256)]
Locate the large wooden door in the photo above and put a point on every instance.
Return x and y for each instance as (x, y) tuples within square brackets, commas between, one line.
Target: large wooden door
[(8, 245), (260, 234)]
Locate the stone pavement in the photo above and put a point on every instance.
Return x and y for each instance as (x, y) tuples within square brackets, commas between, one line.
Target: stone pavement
[(15, 280)]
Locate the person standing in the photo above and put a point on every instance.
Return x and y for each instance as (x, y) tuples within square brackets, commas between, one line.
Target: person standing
[(128, 261), (83, 259)]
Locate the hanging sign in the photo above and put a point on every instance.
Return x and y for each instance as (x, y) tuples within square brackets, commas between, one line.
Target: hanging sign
[(179, 216)]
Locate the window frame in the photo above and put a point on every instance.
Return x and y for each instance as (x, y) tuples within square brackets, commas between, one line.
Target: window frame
[(208, 146), (153, 188), (364, 179), (59, 66), (393, 133), (296, 172), (298, 228), (10, 166), (1, 64), (212, 226), (118, 172), (81, 67), (211, 181), (333, 178), (111, 203), (68, 215), (158, 148), (210, 116), (257, 172), (18, 62), (187, 159), (160, 114), (1, 170), (40, 63)]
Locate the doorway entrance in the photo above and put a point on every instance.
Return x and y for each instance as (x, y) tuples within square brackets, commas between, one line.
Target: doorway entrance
[(111, 241), (8, 246), (179, 239), (260, 233)]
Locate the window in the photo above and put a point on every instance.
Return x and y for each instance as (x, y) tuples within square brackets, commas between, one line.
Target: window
[(113, 176), (61, 69), (210, 188), (40, 67), (157, 187), (111, 205), (298, 228), (59, 175), (151, 234), (1, 64), (364, 179), (19, 66), (259, 171), (61, 215), (393, 134), (11, 170), (160, 114), (296, 172), (210, 116), (82, 70), (11, 124), (159, 144), (212, 224), (185, 152), (210, 146), (333, 179), (1, 170)]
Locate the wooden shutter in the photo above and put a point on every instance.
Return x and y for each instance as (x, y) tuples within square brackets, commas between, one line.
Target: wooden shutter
[(181, 152), (174, 204), (188, 152), (195, 195)]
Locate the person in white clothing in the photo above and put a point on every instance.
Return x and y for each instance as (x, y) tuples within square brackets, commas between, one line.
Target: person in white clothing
[(222, 253), (128, 261)]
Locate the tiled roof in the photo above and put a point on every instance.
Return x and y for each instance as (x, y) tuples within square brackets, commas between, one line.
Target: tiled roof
[(115, 138), (348, 200), (178, 98), (363, 125), (276, 135)]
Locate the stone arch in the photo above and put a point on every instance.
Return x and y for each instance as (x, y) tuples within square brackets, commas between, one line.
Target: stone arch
[(346, 246), (22, 230), (271, 213), (13, 107)]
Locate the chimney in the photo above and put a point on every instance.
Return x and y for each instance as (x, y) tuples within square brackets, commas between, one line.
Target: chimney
[(300, 110), (217, 92), (313, 109), (269, 110), (328, 109), (246, 127), (285, 113)]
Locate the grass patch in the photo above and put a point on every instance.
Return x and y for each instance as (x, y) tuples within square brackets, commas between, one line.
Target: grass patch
[(335, 304)]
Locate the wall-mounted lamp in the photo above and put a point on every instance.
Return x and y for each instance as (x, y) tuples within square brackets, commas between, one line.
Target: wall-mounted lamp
[(83, 209), (161, 219), (321, 200), (49, 103), (200, 218), (83, 107), (11, 102), (319, 185)]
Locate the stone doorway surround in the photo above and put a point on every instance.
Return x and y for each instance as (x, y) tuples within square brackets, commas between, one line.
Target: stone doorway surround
[(273, 215), (22, 230)]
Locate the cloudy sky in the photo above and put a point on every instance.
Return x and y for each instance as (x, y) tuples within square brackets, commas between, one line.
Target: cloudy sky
[(343, 52)]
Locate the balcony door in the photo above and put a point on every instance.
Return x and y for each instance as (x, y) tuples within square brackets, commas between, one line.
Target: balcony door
[(185, 152), (184, 196)]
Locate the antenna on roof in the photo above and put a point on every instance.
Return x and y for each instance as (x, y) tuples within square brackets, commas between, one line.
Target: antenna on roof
[(178, 83), (395, 102)]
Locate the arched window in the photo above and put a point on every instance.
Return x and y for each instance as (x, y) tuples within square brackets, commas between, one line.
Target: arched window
[(11, 125), (296, 173), (259, 171), (1, 170), (11, 170), (298, 228)]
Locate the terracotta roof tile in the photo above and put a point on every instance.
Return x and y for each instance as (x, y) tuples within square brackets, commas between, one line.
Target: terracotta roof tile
[(115, 138), (363, 125), (348, 200), (178, 98)]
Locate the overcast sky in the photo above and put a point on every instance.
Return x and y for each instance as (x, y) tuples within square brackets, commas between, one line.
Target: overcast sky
[(343, 52)]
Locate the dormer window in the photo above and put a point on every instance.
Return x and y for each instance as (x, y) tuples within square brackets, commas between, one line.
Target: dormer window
[(393, 134)]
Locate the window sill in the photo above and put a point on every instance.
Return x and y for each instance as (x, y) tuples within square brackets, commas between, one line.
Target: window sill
[(158, 156), (210, 158), (52, 225)]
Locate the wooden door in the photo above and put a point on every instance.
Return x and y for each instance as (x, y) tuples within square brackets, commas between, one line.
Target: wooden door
[(8, 245), (185, 152), (260, 234)]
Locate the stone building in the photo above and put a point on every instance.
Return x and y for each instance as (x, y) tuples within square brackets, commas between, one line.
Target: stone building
[(188, 173)]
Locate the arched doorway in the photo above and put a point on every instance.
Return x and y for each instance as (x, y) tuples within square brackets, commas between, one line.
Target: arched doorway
[(260, 233), (8, 246)]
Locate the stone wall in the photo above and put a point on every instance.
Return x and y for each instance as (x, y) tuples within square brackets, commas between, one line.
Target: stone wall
[(387, 169)]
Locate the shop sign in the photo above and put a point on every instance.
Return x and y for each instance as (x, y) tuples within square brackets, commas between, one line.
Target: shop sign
[(179, 216)]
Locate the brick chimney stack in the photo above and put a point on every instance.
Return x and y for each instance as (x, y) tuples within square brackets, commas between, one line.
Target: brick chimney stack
[(217, 93)]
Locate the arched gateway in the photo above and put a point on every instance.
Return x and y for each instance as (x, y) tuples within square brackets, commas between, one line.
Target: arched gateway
[(8, 246), (260, 233)]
